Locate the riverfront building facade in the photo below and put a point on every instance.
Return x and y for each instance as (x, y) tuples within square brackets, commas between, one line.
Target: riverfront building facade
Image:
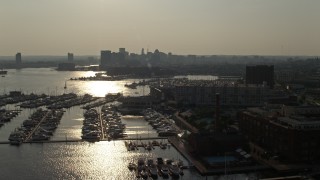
[(231, 94), (70, 57), (260, 74), (18, 58), (105, 59), (289, 133)]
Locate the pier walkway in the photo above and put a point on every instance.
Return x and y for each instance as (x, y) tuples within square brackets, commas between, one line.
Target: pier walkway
[(101, 126), (80, 140)]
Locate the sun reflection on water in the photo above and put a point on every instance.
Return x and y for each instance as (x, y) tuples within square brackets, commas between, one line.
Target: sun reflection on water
[(95, 88), (99, 89)]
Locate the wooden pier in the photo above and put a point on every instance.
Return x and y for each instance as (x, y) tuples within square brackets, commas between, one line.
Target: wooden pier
[(80, 140), (102, 127)]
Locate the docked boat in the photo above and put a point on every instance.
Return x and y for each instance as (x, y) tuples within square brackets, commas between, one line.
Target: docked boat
[(179, 164), (164, 171), (3, 72), (174, 171), (167, 133), (144, 174), (141, 164), (40, 137), (16, 142), (16, 138), (162, 168), (91, 136), (132, 166), (159, 161), (163, 146), (153, 171), (148, 147)]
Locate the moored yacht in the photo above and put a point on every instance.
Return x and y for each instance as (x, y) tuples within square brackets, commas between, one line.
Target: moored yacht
[(174, 171), (91, 136), (3, 72), (164, 171), (40, 137), (132, 166), (153, 171)]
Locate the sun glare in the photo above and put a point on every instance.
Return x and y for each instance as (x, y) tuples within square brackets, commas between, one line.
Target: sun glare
[(100, 88)]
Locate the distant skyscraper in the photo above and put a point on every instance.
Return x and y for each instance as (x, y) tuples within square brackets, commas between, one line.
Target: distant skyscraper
[(121, 56), (105, 58), (70, 56), (260, 73), (18, 58), (122, 50)]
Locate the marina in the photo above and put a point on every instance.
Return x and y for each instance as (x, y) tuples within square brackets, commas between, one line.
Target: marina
[(38, 127), (65, 147), (159, 167)]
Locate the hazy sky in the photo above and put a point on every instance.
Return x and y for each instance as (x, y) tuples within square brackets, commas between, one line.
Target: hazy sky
[(84, 27)]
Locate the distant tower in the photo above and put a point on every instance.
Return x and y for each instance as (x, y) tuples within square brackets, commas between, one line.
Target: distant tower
[(105, 59), (142, 51), (122, 55), (70, 57), (18, 58), (122, 50)]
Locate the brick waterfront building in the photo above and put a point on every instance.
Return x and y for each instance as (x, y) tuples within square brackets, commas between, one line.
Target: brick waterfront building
[(289, 133)]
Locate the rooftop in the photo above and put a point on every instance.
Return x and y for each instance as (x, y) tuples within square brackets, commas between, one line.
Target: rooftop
[(299, 117)]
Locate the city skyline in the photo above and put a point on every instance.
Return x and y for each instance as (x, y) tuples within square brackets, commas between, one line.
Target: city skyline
[(288, 27)]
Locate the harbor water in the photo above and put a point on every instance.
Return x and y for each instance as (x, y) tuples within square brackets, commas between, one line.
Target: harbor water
[(77, 160)]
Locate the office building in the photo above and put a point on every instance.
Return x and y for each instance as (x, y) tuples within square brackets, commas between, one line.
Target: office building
[(70, 57), (121, 56), (287, 133), (66, 66), (259, 74), (231, 94), (122, 50), (18, 58), (105, 59)]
